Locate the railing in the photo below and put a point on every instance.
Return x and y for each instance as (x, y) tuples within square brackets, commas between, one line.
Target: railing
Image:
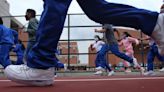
[(80, 29)]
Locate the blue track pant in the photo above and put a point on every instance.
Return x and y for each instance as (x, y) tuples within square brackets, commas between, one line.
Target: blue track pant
[(151, 55), (53, 18), (4, 54)]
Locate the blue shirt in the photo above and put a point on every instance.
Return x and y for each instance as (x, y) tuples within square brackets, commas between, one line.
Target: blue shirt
[(6, 35)]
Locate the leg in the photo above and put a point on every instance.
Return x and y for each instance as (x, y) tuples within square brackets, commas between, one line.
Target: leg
[(29, 47), (160, 58), (102, 55), (115, 50), (150, 65), (48, 34), (119, 15), (4, 55), (127, 64), (150, 23), (97, 61), (150, 59), (41, 58), (19, 60)]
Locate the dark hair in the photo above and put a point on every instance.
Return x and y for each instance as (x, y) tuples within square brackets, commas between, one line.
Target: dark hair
[(127, 34), (1, 21), (97, 37), (107, 26), (114, 29), (33, 12), (162, 7)]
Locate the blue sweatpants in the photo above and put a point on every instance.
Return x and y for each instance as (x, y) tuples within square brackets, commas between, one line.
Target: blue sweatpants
[(20, 52), (151, 55), (115, 50), (30, 44), (97, 60), (4, 54), (53, 18)]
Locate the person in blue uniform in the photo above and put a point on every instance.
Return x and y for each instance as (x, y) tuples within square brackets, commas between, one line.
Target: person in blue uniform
[(41, 60), (7, 40), (19, 50)]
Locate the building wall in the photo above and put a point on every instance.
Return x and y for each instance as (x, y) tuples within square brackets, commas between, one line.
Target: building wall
[(63, 48), (4, 11)]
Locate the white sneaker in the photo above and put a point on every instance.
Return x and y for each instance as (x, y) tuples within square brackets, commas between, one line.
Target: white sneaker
[(111, 73), (149, 73), (158, 34), (161, 70), (135, 63), (98, 72), (128, 71), (30, 76), (142, 70), (99, 68)]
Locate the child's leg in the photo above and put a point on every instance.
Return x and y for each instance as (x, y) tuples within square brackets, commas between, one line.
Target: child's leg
[(19, 60), (4, 55), (127, 64), (49, 30), (119, 15), (102, 55), (115, 50), (150, 23), (150, 59)]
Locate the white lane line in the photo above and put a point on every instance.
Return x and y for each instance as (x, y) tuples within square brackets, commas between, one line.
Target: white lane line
[(105, 79), (110, 79)]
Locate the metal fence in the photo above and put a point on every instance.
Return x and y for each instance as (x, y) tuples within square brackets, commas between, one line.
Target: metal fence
[(77, 28)]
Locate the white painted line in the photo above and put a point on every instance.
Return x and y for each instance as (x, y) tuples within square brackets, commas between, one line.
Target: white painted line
[(111, 79), (105, 79)]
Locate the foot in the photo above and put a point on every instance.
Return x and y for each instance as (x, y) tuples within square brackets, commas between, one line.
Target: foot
[(60, 65), (158, 34), (98, 72), (111, 73), (161, 70), (142, 70), (128, 71), (30, 76), (149, 73), (99, 68), (136, 65)]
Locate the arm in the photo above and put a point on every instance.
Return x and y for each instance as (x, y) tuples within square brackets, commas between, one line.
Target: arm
[(91, 46), (100, 31), (146, 38), (101, 42), (33, 25), (120, 43), (118, 33), (133, 40)]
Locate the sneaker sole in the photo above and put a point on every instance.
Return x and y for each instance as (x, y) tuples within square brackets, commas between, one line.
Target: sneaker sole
[(30, 82), (35, 82)]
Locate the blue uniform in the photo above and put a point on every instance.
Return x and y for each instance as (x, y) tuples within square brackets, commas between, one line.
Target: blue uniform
[(20, 52), (6, 43), (15, 34), (151, 55), (53, 18)]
